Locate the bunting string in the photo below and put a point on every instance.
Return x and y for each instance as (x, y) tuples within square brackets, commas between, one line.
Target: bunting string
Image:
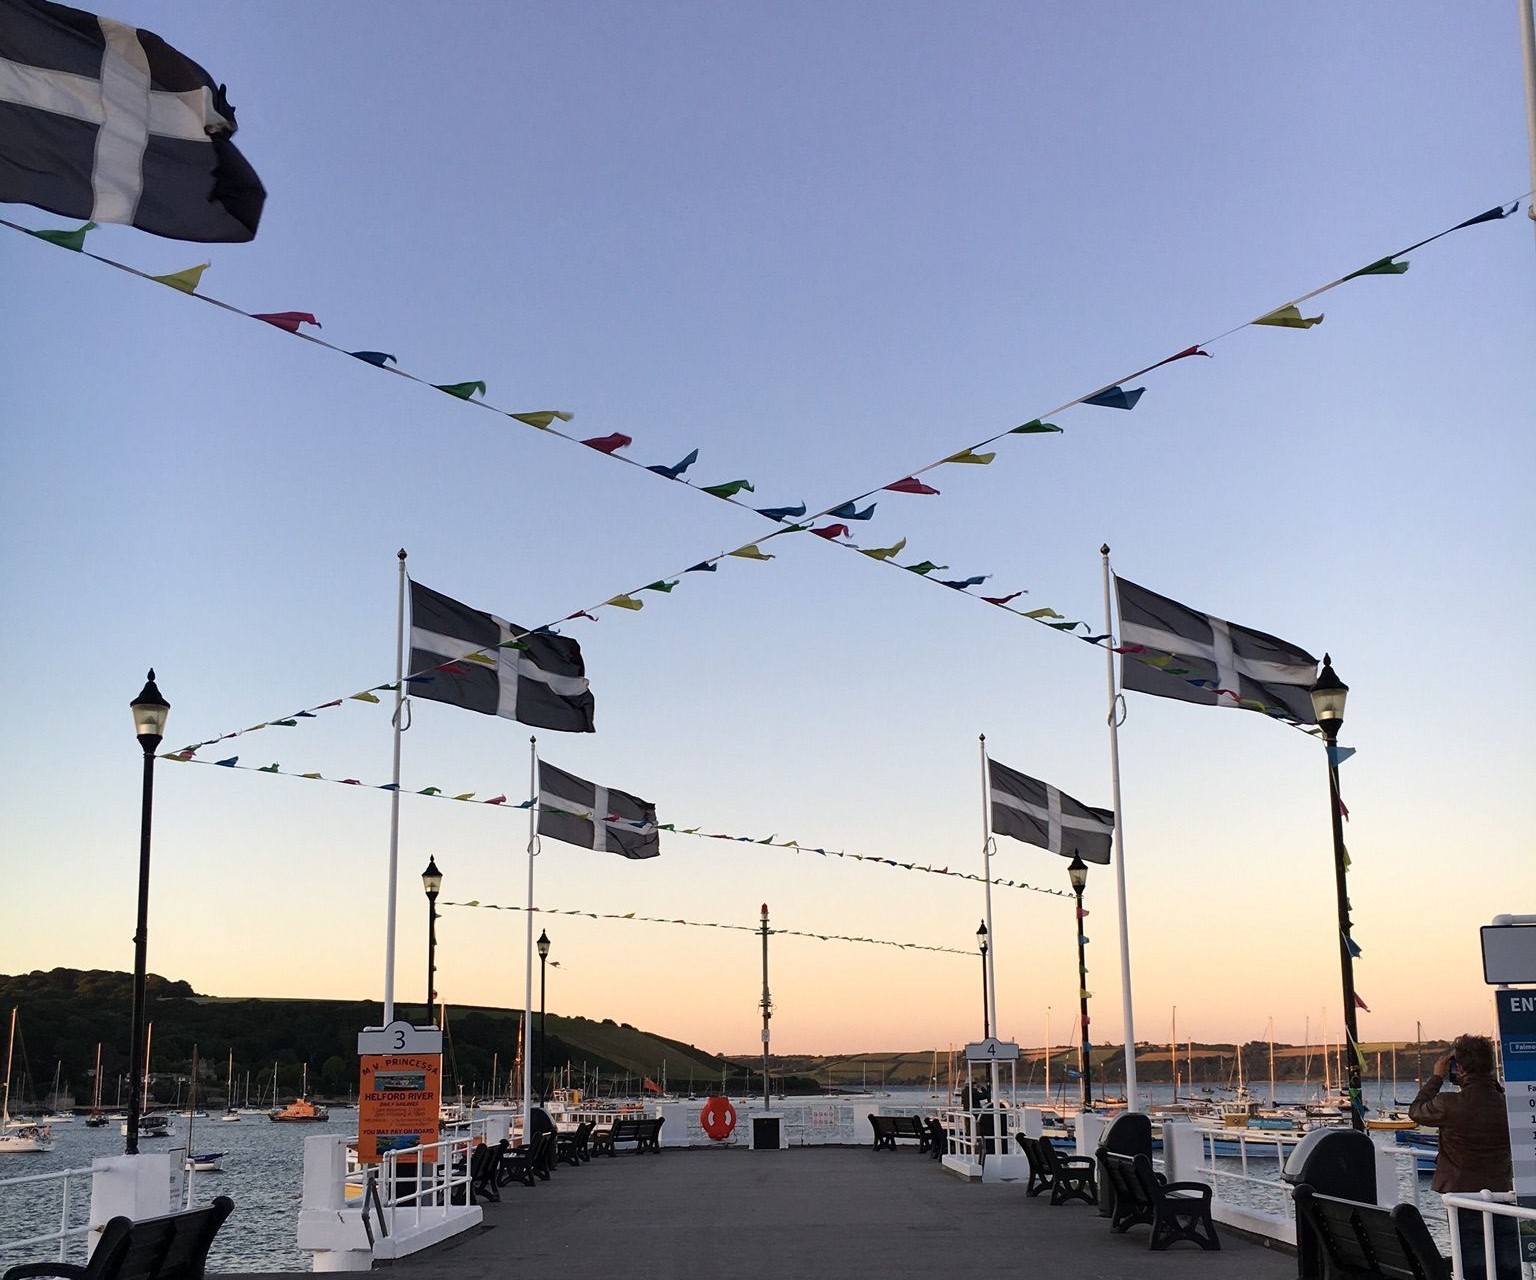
[(501, 801), (709, 924)]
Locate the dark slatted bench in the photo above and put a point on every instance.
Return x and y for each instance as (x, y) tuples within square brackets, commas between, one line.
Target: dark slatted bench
[(889, 1130), (1369, 1242), (645, 1133), (1065, 1177), (1174, 1210), (174, 1247)]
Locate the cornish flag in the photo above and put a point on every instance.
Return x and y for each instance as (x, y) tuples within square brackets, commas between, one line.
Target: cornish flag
[(1172, 651), (104, 121), (477, 661), (1038, 813), (602, 818)]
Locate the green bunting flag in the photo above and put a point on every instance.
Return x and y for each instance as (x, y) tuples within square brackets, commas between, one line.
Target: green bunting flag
[(464, 390), (923, 567), (1381, 267), (66, 239), (729, 489), (664, 587), (1034, 427)]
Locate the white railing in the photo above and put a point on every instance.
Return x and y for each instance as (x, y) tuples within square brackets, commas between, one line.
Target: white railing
[(1493, 1207), (66, 1234), (437, 1175)]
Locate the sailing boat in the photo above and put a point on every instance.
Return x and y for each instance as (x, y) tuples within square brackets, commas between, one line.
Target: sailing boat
[(97, 1118), (17, 1137), (152, 1124), (1396, 1118), (301, 1110), (231, 1114)]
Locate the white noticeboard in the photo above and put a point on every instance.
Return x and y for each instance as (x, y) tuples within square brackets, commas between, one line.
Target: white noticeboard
[(992, 1050), (1509, 953)]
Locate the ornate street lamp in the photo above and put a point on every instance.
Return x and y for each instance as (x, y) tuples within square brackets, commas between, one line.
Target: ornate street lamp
[(1077, 872), (432, 883), (150, 712), (1328, 698), (543, 945), (986, 1019)]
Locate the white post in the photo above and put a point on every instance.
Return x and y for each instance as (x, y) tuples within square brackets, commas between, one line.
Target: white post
[(1114, 773), (528, 1040), (394, 801), (990, 960), (1528, 49)]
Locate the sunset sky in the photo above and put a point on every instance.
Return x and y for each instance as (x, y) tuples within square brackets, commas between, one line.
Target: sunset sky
[(826, 245)]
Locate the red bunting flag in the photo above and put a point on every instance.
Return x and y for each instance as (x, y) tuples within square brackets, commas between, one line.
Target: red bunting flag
[(911, 485), (832, 531), (1361, 1004), (287, 320), (1000, 600), (497, 800), (607, 444)]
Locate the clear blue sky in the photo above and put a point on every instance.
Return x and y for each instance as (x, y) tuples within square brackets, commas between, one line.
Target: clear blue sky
[(825, 245)]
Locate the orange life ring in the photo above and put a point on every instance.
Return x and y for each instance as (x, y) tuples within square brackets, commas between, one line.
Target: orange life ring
[(718, 1118)]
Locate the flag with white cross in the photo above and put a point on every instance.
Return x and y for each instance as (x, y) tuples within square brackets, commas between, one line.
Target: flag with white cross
[(105, 121), (1172, 651), (1038, 813)]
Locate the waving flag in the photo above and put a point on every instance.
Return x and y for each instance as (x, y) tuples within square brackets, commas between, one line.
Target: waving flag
[(1197, 658), (470, 659), (602, 818), (1038, 813), (104, 121)]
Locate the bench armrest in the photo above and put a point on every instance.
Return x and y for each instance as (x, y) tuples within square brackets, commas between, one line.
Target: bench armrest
[(1183, 1188), (68, 1269)]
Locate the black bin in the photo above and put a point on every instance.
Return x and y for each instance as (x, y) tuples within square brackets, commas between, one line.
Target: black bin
[(1333, 1162), (1129, 1135)]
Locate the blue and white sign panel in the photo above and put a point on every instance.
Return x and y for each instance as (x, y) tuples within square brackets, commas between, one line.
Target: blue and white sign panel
[(1517, 1036)]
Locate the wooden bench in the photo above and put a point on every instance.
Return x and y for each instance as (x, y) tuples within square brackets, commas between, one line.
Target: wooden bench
[(889, 1130), (1174, 1210), (485, 1169), (1066, 1177), (938, 1139), (174, 1247), (1368, 1242), (528, 1163), (645, 1133), (572, 1147)]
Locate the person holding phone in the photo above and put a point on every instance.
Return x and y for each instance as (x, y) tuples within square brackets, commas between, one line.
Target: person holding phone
[(1474, 1147)]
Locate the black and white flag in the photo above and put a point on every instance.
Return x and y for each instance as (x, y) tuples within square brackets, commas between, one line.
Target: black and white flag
[(1213, 662), (104, 121), (1038, 813), (470, 659), (602, 818)]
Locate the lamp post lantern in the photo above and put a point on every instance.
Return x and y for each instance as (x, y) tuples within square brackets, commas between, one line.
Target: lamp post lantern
[(432, 882), (986, 1019), (1328, 697), (150, 711), (543, 946), (1077, 872)]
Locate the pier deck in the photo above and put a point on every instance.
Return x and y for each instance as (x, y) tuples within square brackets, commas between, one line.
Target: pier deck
[(807, 1212)]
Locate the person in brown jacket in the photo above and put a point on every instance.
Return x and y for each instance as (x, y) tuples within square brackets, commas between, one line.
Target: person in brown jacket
[(1474, 1148)]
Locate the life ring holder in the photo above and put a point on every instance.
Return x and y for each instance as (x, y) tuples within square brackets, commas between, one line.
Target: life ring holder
[(718, 1117)]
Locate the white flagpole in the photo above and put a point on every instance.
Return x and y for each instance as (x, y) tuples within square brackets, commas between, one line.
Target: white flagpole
[(1114, 774), (533, 792), (394, 802), (1528, 49), (991, 957)]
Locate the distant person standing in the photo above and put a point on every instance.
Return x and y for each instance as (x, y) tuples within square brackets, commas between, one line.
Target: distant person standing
[(1474, 1148)]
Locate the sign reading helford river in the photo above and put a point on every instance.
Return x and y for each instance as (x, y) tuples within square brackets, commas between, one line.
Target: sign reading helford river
[(400, 1088)]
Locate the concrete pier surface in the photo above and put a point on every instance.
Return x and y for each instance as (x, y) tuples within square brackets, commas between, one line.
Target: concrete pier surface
[(808, 1212)]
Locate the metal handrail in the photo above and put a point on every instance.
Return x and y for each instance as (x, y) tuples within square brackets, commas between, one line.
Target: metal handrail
[(66, 1234)]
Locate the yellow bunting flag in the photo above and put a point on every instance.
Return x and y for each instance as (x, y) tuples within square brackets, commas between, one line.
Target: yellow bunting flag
[(314, 777), (542, 418), (750, 552), (626, 602), (1042, 613), (966, 455), (484, 659), (1290, 318), (883, 553), (187, 280), (364, 696), (1345, 852), (468, 795)]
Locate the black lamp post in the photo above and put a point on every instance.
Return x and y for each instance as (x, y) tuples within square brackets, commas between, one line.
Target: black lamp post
[(432, 882), (1328, 697), (986, 1016), (1077, 871), (150, 711), (543, 945)]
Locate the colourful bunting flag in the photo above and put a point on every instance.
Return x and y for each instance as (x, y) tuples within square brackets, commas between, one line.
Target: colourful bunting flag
[(729, 489), (580, 613), (1381, 267), (781, 513), (430, 791), (965, 455), (1034, 427), (883, 553), (364, 696), (923, 567), (377, 358), (1351, 945), (497, 800), (1359, 1003), (676, 469), (963, 583), (286, 320), (1492, 215), (464, 390), (911, 484), (750, 552), (626, 602), (66, 239), (664, 587), (1115, 398), (1042, 613), (830, 531), (228, 764), (186, 281), (1002, 600), (1289, 318), (703, 566), (850, 511), (608, 444), (542, 418)]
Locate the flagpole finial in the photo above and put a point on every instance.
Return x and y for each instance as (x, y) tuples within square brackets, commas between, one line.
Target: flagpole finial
[(982, 736), (401, 553), (1104, 549)]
